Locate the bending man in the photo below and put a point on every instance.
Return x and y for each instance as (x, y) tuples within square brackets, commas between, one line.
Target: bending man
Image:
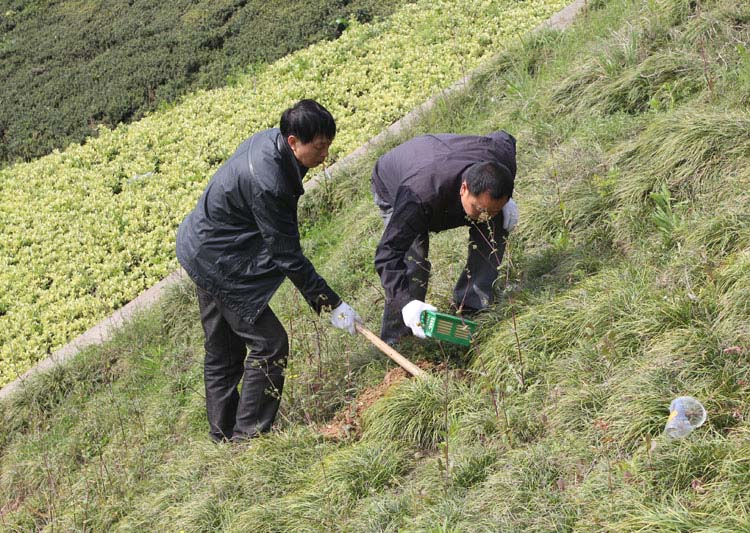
[(434, 183)]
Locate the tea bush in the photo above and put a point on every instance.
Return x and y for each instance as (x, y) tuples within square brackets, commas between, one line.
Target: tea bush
[(68, 67)]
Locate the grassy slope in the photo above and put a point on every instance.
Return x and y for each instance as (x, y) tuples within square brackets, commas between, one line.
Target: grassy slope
[(627, 285)]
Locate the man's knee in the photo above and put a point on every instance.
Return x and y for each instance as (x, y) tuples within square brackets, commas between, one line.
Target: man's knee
[(271, 348), (279, 346)]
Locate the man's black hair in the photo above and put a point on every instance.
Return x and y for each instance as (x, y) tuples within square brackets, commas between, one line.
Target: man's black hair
[(306, 120), (489, 176)]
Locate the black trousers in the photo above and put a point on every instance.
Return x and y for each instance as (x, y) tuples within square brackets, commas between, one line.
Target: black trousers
[(418, 267), (254, 354)]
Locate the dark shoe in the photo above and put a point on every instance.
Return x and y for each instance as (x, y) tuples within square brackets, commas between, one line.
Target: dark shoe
[(218, 440), (392, 340), (241, 438)]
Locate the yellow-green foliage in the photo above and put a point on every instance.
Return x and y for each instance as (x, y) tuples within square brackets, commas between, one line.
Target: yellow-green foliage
[(84, 231)]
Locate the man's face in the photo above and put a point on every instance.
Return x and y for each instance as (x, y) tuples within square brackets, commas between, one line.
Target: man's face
[(310, 154), (481, 207)]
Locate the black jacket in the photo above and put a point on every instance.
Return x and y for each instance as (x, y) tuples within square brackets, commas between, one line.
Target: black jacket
[(421, 179), (242, 239)]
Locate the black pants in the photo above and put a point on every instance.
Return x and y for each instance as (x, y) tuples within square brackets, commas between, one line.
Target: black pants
[(245, 414), (418, 268)]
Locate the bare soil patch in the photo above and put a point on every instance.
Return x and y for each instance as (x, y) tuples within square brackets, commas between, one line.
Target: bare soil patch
[(346, 424)]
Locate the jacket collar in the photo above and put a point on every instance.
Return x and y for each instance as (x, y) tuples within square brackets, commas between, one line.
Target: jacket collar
[(292, 167)]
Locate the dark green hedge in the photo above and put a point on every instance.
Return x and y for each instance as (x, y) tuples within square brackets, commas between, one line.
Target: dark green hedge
[(67, 66)]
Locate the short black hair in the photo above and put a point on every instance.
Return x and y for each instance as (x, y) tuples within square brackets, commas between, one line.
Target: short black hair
[(489, 176), (306, 120)]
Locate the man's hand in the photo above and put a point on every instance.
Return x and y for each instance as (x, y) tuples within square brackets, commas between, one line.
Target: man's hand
[(412, 314), (510, 215), (344, 317)]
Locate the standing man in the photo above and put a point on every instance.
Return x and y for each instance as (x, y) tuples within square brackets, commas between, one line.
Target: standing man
[(435, 183), (238, 245)]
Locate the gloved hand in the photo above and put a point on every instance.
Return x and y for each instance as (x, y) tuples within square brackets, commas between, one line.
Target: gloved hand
[(344, 317), (412, 313), (510, 215)]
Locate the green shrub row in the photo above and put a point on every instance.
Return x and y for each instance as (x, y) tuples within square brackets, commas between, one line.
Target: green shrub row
[(67, 67)]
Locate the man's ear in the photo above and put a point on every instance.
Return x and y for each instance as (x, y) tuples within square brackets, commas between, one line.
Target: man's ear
[(292, 141), (464, 188)]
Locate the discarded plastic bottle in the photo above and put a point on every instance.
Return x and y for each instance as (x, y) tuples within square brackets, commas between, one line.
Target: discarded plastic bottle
[(685, 414)]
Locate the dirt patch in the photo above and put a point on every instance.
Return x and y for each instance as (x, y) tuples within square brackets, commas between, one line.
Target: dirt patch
[(346, 424)]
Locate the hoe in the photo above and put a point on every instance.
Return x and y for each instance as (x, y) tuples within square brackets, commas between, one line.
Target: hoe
[(439, 326)]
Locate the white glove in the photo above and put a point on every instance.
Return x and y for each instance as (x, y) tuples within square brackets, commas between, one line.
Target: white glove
[(344, 317), (510, 215), (412, 313)]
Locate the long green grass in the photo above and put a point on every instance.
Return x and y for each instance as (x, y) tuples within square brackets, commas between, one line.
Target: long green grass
[(625, 285)]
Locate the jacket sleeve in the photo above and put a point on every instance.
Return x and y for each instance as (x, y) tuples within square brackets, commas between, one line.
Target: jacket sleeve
[(275, 214), (409, 219)]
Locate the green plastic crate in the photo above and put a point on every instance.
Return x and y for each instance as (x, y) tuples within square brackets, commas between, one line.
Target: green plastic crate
[(447, 327)]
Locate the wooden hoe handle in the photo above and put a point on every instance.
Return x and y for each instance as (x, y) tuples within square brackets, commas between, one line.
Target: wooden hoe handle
[(402, 361)]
